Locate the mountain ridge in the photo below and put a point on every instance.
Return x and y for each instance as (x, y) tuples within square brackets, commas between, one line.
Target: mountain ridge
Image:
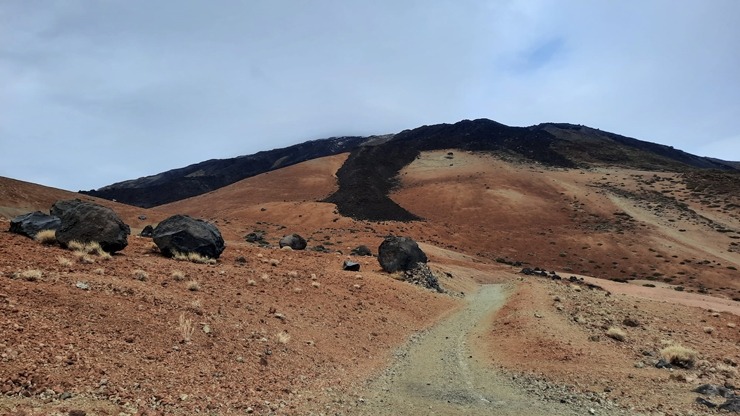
[(553, 144)]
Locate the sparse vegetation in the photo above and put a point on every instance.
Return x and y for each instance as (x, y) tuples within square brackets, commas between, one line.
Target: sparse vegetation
[(315, 284), (679, 355), (47, 237), (84, 258), (251, 282), (177, 275), (186, 328), (193, 258), (80, 249), (63, 261), (30, 275), (193, 286), (283, 337), (139, 274)]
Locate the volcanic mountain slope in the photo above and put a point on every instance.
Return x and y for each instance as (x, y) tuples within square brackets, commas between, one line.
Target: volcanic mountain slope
[(206, 176), (380, 157), (607, 222), (289, 332)]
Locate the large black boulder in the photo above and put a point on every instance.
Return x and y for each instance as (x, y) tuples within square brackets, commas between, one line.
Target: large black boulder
[(294, 241), (89, 222), (399, 253), (183, 234), (33, 222), (64, 205)]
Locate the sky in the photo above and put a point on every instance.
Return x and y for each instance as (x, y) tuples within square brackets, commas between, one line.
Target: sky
[(94, 92)]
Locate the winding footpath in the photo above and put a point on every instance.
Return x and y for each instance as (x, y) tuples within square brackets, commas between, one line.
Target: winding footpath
[(436, 374)]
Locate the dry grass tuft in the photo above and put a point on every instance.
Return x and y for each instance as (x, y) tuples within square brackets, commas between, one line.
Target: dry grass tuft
[(93, 247), (76, 246), (265, 277), (297, 290), (196, 307), (708, 329), (726, 370), (84, 258), (283, 337), (47, 237), (30, 275), (63, 261), (252, 282), (315, 284), (139, 274), (193, 258), (193, 286), (186, 328), (679, 355), (177, 275), (616, 333)]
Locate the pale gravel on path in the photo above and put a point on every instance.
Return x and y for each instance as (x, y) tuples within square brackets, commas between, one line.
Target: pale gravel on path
[(436, 374)]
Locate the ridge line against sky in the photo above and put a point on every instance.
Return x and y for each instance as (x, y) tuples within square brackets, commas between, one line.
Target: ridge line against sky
[(94, 92)]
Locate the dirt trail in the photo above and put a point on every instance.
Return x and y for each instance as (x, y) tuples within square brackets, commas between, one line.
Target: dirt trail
[(437, 374)]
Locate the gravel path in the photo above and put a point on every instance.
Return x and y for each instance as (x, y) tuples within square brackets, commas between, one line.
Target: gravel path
[(436, 374)]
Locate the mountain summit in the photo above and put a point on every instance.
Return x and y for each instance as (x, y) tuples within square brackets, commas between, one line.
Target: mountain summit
[(375, 160)]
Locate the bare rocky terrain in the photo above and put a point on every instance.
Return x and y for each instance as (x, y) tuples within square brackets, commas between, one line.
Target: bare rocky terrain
[(653, 255)]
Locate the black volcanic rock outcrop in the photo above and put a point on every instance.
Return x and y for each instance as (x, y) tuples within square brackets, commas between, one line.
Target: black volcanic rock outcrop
[(400, 254), (30, 224), (183, 234), (89, 222)]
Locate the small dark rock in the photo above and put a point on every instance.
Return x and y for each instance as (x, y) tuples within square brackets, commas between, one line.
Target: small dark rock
[(351, 266), (142, 217), (148, 231), (65, 396), (77, 413), (712, 390), (422, 275), (731, 405), (257, 237), (294, 241), (30, 224), (320, 248), (633, 323), (241, 260), (705, 402), (361, 251), (663, 364)]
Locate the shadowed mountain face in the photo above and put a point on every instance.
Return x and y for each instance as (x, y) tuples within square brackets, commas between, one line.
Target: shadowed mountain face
[(369, 173), (210, 175)]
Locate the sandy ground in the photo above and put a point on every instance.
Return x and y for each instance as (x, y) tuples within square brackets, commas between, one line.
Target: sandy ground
[(286, 332)]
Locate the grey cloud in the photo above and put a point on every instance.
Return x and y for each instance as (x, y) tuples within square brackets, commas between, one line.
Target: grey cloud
[(121, 89)]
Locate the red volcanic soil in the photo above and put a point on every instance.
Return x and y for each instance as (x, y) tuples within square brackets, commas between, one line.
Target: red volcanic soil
[(289, 332)]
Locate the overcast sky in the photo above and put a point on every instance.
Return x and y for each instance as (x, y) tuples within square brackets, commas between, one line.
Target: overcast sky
[(99, 91)]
